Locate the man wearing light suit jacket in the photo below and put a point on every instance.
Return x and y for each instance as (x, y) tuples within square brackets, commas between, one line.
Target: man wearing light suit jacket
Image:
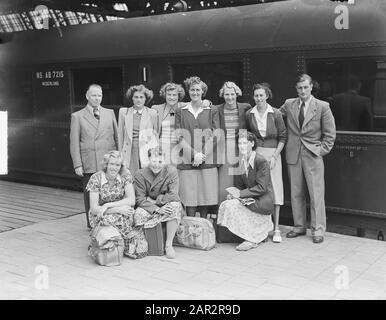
[(311, 135), (93, 133)]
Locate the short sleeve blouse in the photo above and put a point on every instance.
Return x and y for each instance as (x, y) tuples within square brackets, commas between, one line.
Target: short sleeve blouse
[(98, 183)]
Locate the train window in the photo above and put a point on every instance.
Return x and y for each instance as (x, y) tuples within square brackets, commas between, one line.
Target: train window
[(213, 74), (109, 78), (353, 90)]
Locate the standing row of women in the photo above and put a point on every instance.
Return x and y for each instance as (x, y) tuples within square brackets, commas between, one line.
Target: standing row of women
[(202, 141)]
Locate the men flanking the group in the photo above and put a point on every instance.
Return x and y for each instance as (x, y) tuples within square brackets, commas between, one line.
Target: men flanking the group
[(311, 135), (93, 134), (211, 160)]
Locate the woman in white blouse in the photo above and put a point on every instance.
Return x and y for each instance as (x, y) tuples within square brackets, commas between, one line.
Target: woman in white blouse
[(268, 126)]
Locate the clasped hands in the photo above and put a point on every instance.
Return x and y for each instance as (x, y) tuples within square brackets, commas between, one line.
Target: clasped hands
[(199, 158)]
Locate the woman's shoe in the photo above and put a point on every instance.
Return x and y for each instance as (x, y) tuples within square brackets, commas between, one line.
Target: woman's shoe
[(276, 236), (170, 253), (246, 245)]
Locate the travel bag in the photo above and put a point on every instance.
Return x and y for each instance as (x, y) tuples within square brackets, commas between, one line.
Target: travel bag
[(156, 240), (195, 232), (107, 245)]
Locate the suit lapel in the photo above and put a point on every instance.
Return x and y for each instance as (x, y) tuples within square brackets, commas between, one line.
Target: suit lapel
[(90, 118), (129, 122), (103, 121), (149, 177), (310, 112), (294, 111), (161, 115)]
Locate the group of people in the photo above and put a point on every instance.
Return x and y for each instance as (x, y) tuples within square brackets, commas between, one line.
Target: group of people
[(160, 162)]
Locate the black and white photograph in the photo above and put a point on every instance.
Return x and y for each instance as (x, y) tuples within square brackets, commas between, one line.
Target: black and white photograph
[(202, 152)]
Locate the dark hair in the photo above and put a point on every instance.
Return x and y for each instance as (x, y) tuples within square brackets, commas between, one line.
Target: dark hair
[(265, 86), (353, 81), (156, 151), (243, 133), (141, 88)]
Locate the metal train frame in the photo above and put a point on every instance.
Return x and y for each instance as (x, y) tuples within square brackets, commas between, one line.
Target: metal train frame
[(44, 75)]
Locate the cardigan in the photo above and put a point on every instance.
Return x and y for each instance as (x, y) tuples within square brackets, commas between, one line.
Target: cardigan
[(257, 185), (276, 129), (197, 135)]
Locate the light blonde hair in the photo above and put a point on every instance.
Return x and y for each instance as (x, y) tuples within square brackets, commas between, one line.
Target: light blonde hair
[(196, 80), (230, 85), (169, 86), (114, 154)]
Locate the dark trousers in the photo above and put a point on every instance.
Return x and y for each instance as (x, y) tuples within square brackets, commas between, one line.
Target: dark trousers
[(86, 194)]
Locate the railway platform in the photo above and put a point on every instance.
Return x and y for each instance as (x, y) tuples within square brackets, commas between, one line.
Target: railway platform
[(45, 257)]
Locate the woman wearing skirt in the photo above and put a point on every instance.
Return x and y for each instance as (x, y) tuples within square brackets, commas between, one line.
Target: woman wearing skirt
[(268, 126), (252, 222), (197, 168)]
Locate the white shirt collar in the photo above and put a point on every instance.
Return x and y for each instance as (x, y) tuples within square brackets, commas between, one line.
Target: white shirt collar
[(189, 107), (138, 111), (251, 161), (306, 103), (104, 179), (92, 108), (268, 110)]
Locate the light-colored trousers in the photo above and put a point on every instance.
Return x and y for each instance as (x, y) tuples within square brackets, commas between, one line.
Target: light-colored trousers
[(308, 171)]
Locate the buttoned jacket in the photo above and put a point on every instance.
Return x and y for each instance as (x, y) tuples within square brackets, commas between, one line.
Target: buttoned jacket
[(91, 139)]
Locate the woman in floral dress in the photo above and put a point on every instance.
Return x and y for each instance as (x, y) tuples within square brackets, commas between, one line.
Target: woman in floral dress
[(112, 200)]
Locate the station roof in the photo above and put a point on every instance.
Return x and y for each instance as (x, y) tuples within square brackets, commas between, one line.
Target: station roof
[(22, 15)]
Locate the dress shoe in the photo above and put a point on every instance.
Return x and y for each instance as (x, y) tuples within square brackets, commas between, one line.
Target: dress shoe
[(317, 239), (293, 234)]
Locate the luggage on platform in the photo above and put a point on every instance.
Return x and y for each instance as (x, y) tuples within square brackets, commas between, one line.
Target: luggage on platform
[(156, 240), (195, 232), (107, 245)]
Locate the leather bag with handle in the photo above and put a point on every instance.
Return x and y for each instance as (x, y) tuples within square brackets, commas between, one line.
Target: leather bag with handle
[(195, 232), (106, 246)]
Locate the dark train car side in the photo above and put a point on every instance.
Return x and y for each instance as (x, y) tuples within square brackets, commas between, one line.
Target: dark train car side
[(44, 75)]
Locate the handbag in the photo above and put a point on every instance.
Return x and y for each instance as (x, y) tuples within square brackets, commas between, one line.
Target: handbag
[(107, 245), (195, 232)]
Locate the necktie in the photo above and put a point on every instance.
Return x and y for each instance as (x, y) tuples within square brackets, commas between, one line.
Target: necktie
[(301, 114), (96, 113)]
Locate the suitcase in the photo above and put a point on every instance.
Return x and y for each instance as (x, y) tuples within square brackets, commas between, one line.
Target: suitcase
[(156, 240), (223, 235)]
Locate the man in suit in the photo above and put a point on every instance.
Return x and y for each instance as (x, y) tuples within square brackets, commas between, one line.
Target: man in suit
[(352, 111), (311, 135), (93, 134)]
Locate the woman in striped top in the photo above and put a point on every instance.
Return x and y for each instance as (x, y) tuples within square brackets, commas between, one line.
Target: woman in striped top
[(232, 119)]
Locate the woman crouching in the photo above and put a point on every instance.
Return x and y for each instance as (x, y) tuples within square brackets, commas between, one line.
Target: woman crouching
[(251, 222), (112, 200), (156, 188)]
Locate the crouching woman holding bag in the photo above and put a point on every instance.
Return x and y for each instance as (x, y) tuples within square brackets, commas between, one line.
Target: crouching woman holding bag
[(247, 212), (112, 200)]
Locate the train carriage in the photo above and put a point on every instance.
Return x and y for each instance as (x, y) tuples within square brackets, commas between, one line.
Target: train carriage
[(44, 75)]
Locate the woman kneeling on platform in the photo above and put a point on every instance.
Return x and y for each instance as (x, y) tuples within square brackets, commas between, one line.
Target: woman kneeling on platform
[(156, 188), (247, 212), (112, 199)]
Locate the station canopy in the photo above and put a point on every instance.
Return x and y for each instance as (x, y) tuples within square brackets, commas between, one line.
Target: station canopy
[(22, 15)]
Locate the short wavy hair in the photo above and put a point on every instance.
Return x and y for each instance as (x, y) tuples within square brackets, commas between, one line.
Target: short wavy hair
[(141, 88), (265, 86), (304, 77), (114, 154), (196, 80), (244, 134), (169, 86), (230, 85), (156, 151)]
